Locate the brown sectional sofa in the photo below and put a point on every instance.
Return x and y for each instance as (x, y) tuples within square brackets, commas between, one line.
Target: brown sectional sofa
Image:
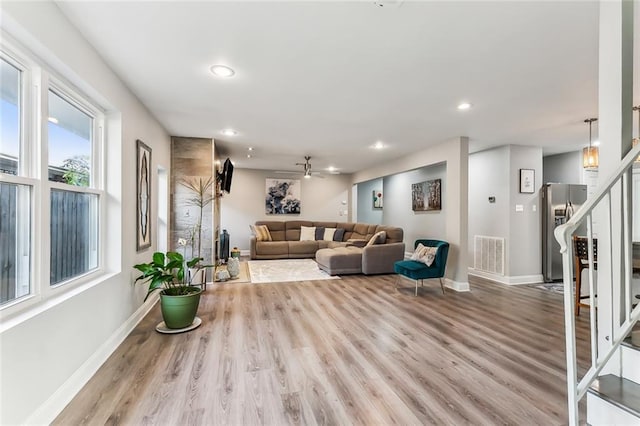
[(345, 259)]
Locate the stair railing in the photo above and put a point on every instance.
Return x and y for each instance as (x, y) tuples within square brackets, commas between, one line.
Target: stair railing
[(620, 325)]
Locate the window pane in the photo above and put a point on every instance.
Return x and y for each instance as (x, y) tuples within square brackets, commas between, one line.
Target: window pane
[(74, 234), (69, 143), (9, 118), (15, 241)]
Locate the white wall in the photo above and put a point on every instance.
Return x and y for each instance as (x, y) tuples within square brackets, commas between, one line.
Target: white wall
[(46, 356), (321, 200), (496, 173), (455, 154), (398, 211), (366, 212), (563, 168)]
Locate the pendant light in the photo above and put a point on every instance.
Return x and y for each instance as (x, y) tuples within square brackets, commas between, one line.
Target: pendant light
[(590, 154), (636, 141)]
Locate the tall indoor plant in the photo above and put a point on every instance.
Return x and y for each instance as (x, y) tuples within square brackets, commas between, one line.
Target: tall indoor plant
[(170, 274)]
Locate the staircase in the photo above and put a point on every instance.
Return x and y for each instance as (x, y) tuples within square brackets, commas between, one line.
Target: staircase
[(613, 400), (612, 383)]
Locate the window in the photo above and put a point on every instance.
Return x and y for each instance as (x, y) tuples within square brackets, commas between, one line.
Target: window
[(10, 84), (52, 160), (74, 212)]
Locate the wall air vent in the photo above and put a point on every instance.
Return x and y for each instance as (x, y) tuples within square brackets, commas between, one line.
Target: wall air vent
[(488, 254)]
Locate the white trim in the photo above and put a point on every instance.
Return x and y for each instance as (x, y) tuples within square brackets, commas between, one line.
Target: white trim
[(459, 286), (53, 406), (245, 252), (503, 279), (601, 412)]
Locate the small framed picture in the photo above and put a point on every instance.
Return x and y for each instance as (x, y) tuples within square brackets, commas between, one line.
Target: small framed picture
[(377, 199), (527, 181)]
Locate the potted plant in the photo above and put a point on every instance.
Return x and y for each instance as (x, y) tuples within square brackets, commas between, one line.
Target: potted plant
[(170, 273)]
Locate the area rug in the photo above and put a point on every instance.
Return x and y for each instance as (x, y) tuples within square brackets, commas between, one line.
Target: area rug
[(286, 270)]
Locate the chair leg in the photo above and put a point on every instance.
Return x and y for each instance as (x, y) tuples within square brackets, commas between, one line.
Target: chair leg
[(416, 287), (442, 286)]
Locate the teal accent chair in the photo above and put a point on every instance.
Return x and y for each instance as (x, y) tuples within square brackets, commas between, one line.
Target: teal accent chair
[(419, 271)]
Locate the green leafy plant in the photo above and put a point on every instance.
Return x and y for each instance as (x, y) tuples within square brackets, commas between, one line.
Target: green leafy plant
[(76, 170), (170, 273)]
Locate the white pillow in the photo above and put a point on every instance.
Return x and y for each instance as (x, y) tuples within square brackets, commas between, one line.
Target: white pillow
[(328, 234), (307, 233), (429, 255), (417, 254)]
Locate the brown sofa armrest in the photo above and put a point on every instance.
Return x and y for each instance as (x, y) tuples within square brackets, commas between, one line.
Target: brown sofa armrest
[(253, 247), (379, 258)]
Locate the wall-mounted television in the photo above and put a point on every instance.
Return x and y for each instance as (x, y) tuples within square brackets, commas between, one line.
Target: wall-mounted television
[(227, 175)]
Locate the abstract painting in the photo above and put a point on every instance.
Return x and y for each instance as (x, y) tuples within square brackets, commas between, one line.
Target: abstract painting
[(377, 199), (282, 196), (143, 197), (426, 195)]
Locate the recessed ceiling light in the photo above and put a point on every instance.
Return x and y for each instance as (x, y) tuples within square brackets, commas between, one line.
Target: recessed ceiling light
[(331, 169), (463, 106), (222, 71), (248, 155), (229, 132), (53, 120), (250, 148), (596, 143), (378, 145)]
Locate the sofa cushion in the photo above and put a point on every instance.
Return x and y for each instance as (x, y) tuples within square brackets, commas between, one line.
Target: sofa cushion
[(377, 238), (340, 260), (394, 234), (307, 233), (276, 229), (303, 248), (339, 234), (261, 232), (272, 248), (319, 233), (292, 229), (328, 234)]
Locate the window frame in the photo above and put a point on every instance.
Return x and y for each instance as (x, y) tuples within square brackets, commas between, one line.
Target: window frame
[(36, 81)]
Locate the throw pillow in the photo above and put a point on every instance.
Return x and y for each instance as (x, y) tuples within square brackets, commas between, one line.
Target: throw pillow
[(261, 232), (307, 233), (419, 251), (338, 235), (319, 232), (429, 255), (378, 238), (328, 234)]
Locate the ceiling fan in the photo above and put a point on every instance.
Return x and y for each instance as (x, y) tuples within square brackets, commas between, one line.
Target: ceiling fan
[(306, 169)]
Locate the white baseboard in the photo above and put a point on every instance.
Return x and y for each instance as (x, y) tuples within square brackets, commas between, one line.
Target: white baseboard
[(509, 280), (245, 252), (456, 285), (53, 406)]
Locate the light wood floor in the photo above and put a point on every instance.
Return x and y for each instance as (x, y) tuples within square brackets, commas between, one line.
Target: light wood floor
[(349, 351)]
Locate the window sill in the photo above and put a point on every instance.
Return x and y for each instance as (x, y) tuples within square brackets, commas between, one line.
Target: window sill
[(28, 307)]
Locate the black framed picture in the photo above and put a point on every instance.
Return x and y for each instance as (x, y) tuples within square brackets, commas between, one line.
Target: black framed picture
[(527, 181), (143, 196)]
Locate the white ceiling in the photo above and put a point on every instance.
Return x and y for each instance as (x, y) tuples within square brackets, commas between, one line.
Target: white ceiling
[(328, 79)]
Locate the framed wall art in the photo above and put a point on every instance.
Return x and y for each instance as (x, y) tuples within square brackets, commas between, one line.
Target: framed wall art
[(527, 181), (426, 195), (143, 196), (282, 196), (377, 198)]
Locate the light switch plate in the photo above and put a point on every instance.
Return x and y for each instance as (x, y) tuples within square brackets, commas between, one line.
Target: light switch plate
[(519, 207)]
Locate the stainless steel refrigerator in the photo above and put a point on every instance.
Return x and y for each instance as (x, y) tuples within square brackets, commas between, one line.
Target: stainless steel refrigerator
[(559, 201)]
